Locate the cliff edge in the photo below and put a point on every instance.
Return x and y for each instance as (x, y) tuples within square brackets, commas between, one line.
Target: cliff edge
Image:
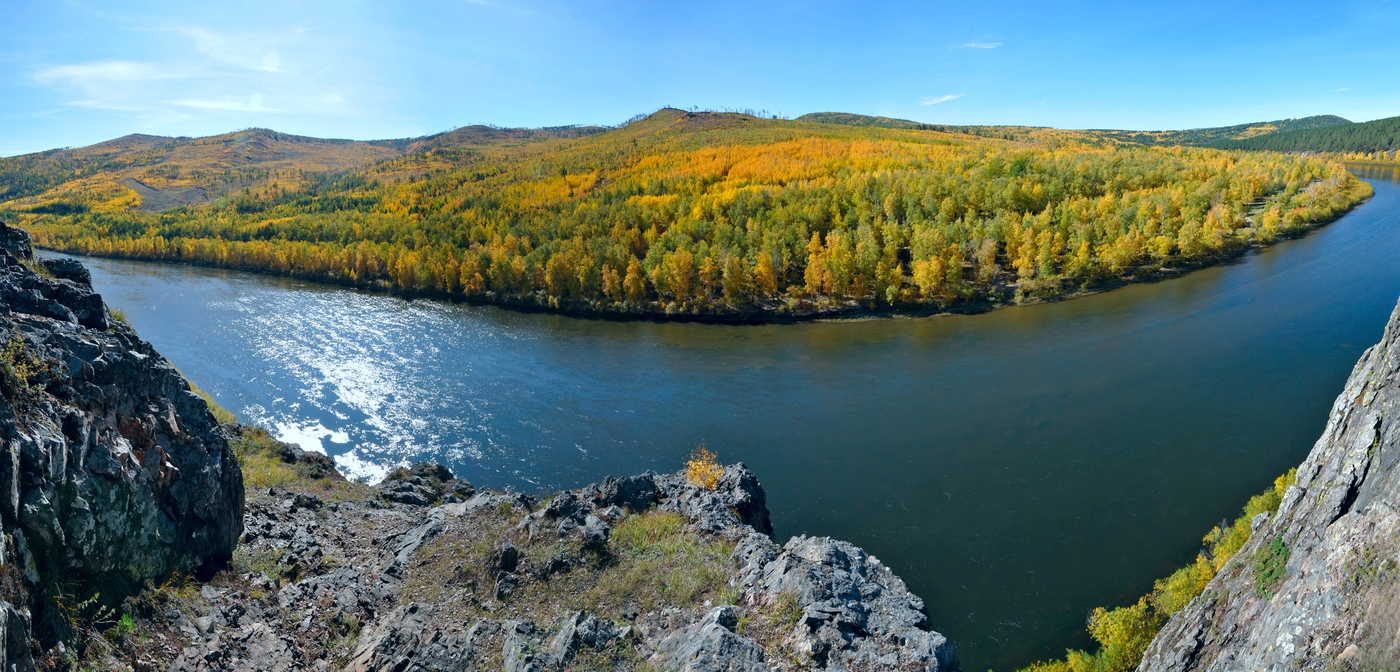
[(1318, 584), (112, 472)]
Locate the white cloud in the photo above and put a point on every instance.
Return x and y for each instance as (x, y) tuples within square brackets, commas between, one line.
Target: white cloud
[(209, 74), (941, 99), (231, 103), (248, 51), (99, 72), (979, 45)]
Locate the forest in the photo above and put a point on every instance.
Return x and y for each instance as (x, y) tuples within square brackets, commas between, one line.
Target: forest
[(1381, 135), (719, 215)]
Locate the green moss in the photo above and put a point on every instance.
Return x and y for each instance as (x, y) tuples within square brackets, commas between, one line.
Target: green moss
[(1270, 563)]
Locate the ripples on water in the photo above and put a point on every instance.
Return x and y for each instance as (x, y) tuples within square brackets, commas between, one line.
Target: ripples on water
[(1017, 468)]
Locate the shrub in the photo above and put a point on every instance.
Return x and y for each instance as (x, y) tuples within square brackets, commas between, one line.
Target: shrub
[(703, 468)]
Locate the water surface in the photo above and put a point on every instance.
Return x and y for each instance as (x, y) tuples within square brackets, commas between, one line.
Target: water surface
[(1017, 468)]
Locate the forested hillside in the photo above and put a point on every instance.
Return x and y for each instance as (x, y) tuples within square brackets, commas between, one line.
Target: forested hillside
[(1203, 137), (1381, 135), (722, 215), (1196, 137)]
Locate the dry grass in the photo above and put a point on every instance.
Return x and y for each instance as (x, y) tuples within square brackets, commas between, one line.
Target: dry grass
[(260, 456)]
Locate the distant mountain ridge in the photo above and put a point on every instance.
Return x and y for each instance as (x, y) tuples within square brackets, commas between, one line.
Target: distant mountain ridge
[(237, 152), (1192, 137)]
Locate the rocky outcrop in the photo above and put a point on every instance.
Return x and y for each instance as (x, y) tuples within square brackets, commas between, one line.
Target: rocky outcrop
[(855, 614), (1318, 584), (112, 471)]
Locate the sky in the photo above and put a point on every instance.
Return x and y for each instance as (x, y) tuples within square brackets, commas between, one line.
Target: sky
[(74, 73)]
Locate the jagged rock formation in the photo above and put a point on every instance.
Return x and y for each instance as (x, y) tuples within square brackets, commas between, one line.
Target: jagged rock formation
[(353, 565), (112, 471), (1335, 604)]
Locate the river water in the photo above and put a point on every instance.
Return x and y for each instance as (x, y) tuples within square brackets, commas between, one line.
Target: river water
[(1017, 468)]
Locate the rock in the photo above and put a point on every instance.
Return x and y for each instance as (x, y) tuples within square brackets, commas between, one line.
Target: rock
[(509, 557), (579, 631), (113, 471), (636, 493), (402, 548), (737, 500), (423, 484), (710, 646), (855, 612), (69, 269), (521, 648), (395, 639), (506, 583), (16, 241), (1340, 589), (14, 636)]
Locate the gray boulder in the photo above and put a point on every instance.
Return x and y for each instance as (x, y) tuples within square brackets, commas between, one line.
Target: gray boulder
[(522, 650), (855, 611), (582, 630), (710, 645)]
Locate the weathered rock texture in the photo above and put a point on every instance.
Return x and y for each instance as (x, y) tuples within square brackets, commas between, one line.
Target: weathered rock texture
[(111, 471), (1338, 604), (338, 578)]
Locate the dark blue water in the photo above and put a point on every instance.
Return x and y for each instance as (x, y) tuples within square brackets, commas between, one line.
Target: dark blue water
[(1017, 468)]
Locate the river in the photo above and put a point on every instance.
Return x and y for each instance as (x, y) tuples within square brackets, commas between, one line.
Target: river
[(1017, 468)]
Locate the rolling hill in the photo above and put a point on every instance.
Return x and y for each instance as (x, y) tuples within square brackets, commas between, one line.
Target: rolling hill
[(1193, 137), (1381, 135), (682, 213)]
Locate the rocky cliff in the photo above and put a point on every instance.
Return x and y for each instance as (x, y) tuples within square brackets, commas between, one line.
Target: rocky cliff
[(112, 472), (425, 573), (1318, 584)]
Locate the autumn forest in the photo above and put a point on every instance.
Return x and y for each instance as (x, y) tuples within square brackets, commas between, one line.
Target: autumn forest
[(708, 215)]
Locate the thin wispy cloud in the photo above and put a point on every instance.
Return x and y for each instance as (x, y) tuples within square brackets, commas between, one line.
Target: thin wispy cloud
[(1345, 88), (247, 51), (253, 103), (979, 45), (935, 100), (210, 72), (83, 74)]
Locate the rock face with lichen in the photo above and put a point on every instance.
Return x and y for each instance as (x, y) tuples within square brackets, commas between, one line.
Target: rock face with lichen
[(1318, 584), (112, 472)]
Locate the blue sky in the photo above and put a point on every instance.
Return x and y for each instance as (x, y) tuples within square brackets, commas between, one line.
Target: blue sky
[(78, 72)]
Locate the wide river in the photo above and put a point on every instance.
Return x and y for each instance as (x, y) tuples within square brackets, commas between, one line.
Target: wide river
[(1017, 468)]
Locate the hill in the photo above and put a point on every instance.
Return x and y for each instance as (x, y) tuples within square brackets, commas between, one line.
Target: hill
[(1381, 135), (1194, 137), (1209, 136), (217, 165), (698, 214)]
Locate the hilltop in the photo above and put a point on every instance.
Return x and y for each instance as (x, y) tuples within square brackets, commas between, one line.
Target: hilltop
[(699, 215)]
